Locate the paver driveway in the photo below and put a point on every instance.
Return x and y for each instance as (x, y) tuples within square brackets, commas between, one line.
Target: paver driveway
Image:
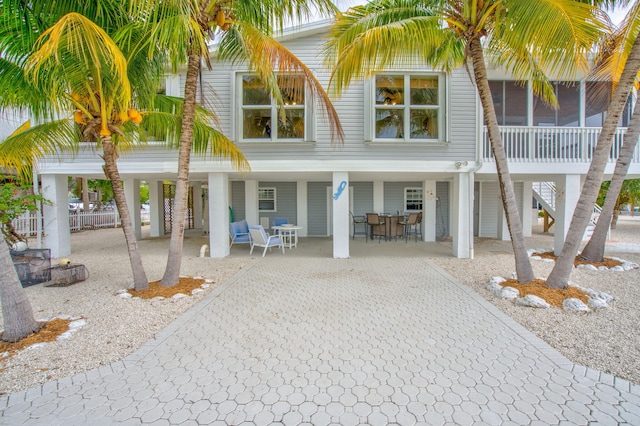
[(319, 341)]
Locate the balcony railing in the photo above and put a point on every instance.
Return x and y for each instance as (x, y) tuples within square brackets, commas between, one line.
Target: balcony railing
[(553, 144)]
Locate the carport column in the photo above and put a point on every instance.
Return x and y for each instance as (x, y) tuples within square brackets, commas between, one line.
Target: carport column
[(378, 197), (218, 214), (567, 194), (429, 210), (462, 215), (156, 209), (132, 194), (302, 213), (197, 204), (340, 201), (251, 202), (56, 216)]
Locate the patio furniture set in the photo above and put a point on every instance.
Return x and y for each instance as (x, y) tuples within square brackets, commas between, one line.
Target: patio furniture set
[(285, 234), (388, 226)]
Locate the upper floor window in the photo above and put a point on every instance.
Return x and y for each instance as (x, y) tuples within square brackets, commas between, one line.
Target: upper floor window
[(409, 108), (263, 120), (568, 112), (510, 102), (412, 199), (267, 199)]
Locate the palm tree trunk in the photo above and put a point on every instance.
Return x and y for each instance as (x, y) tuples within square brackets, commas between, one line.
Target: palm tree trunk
[(523, 264), (174, 259), (594, 250), (140, 280), (559, 276), (17, 314)]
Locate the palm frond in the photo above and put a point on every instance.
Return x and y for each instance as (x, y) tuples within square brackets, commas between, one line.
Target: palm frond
[(55, 138)]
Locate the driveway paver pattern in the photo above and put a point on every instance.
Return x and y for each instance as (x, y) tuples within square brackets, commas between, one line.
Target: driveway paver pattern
[(336, 341)]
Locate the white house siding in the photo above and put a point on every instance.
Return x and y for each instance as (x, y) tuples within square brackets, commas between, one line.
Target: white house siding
[(237, 200), (491, 206), (362, 197), (317, 208), (286, 201)]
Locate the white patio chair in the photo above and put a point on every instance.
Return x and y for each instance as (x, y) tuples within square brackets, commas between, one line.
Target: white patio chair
[(261, 239)]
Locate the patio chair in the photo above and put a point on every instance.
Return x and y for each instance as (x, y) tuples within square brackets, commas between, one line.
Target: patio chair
[(261, 239), (411, 226), (239, 233), (377, 226), (359, 220)]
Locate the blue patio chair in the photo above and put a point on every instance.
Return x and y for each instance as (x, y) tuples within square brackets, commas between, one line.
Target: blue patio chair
[(261, 239), (239, 233)]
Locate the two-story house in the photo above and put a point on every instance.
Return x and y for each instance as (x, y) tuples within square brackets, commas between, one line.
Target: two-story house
[(414, 141)]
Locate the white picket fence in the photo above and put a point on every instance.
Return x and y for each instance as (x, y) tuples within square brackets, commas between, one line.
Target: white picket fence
[(27, 224)]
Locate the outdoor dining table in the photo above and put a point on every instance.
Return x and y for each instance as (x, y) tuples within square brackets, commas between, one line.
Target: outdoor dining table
[(392, 229), (288, 233)]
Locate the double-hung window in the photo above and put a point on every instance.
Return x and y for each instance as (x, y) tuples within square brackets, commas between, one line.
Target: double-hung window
[(262, 119), (409, 108), (267, 199), (412, 199)]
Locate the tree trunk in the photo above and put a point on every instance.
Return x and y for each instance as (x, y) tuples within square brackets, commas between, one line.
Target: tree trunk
[(559, 276), (17, 314), (614, 218), (174, 259), (594, 250), (523, 264), (140, 280)]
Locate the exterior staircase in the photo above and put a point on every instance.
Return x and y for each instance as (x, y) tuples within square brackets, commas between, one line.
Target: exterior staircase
[(545, 194)]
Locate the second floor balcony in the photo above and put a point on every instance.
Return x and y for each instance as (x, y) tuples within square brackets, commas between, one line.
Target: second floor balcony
[(553, 144)]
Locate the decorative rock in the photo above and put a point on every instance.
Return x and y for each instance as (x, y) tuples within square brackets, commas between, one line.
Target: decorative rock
[(509, 293), (627, 266), (574, 305), (596, 304), (125, 295), (617, 268), (121, 291), (513, 276), (197, 291), (532, 301), (179, 296), (602, 268), (494, 288), (205, 286), (208, 281), (587, 266), (536, 257), (497, 280)]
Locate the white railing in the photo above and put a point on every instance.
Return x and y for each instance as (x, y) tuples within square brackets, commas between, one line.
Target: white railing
[(553, 144), (27, 224), (547, 192)]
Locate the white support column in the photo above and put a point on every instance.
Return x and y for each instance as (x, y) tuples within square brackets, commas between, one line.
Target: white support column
[(525, 210), (56, 216), (340, 191), (378, 197), (503, 226), (301, 212), (197, 204), (462, 215), (172, 85), (429, 210), (567, 194), (218, 214), (132, 194), (156, 209), (251, 202)]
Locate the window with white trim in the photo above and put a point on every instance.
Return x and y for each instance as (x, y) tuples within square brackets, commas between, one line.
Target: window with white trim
[(260, 117), (413, 199), (409, 108), (267, 199)]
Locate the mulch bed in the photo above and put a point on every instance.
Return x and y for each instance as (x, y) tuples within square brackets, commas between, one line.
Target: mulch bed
[(607, 261), (49, 332), (184, 286), (553, 296)]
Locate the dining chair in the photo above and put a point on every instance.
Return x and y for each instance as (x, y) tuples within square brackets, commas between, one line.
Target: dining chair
[(410, 226), (358, 220), (377, 226)]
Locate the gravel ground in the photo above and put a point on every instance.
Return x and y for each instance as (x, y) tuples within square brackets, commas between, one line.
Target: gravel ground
[(607, 340)]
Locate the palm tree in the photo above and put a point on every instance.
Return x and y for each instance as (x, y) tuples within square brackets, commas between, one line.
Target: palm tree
[(529, 39), (559, 276), (613, 53), (244, 33), (76, 66)]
